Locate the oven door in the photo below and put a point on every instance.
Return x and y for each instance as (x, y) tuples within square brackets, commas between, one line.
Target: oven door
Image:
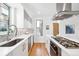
[(54, 49)]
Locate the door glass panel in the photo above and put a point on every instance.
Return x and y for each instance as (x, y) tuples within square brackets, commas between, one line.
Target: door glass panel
[(38, 24), (39, 27)]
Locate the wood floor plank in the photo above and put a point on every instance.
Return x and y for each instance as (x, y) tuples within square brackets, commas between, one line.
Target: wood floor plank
[(38, 49)]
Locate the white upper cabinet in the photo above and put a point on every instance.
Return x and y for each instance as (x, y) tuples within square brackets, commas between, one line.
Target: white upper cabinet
[(17, 15)]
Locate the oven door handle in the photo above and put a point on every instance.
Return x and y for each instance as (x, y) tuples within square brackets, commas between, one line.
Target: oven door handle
[(53, 49)]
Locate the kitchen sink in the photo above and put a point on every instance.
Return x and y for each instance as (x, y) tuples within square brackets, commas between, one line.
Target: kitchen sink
[(12, 43)]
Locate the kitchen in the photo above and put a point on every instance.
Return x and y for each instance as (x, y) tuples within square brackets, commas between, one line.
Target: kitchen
[(55, 25)]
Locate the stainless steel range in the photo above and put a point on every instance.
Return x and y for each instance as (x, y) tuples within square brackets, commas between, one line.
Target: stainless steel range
[(66, 42)]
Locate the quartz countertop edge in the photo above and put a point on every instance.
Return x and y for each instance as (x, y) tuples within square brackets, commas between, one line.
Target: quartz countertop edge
[(6, 50), (73, 38)]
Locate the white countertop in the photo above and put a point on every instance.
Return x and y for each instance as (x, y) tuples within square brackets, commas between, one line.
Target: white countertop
[(5, 50), (70, 52)]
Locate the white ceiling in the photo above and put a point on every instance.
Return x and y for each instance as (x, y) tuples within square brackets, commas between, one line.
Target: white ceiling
[(38, 10)]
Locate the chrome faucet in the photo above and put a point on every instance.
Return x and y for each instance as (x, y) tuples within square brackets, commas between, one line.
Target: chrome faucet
[(9, 29), (15, 29)]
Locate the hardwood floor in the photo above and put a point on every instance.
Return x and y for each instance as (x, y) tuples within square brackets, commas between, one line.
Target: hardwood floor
[(38, 49)]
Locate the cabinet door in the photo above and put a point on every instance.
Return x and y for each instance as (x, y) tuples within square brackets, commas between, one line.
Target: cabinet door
[(32, 40), (29, 43), (25, 48), (64, 53), (21, 50), (10, 54), (16, 52)]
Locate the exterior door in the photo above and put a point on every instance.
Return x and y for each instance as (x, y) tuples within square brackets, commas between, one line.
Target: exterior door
[(39, 29)]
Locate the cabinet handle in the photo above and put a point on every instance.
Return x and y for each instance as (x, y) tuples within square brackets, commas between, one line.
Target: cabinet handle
[(53, 49)]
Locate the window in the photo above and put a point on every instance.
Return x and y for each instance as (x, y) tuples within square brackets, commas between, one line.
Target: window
[(4, 17), (4, 12)]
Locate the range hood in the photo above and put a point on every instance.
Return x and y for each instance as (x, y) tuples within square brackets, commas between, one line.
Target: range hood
[(64, 10)]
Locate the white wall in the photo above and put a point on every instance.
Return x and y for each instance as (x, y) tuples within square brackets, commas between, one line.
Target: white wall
[(27, 20), (27, 24), (72, 21)]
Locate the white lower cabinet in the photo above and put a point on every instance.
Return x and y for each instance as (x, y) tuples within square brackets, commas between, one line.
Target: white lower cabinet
[(64, 53), (32, 40), (10, 54), (21, 50)]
